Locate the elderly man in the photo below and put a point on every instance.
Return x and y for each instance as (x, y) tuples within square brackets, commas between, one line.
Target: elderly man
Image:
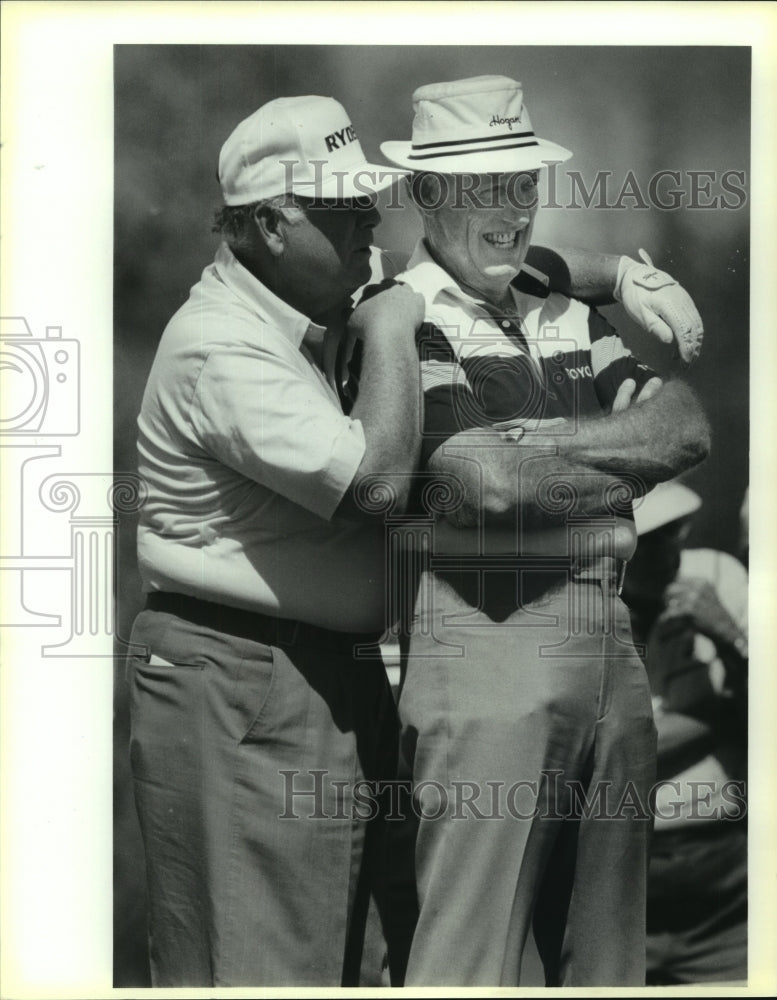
[(526, 710), (265, 575)]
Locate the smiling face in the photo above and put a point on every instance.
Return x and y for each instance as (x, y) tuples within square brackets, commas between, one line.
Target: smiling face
[(482, 230)]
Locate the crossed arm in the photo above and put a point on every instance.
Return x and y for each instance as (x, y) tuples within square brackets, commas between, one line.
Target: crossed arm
[(648, 444), (640, 446), (580, 274)]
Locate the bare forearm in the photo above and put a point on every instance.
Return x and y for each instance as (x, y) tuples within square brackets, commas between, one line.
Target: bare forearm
[(389, 399), (389, 409), (585, 468), (654, 441), (501, 480), (579, 274)]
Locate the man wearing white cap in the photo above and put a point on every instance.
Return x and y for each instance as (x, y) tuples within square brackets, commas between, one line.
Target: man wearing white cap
[(252, 715), (524, 701)]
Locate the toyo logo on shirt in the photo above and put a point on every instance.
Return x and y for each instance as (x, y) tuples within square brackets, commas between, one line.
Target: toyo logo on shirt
[(339, 139), (581, 371)]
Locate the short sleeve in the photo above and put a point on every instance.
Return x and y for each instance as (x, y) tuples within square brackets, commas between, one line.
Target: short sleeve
[(261, 413)]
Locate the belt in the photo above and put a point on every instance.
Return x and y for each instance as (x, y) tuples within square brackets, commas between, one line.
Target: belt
[(552, 567), (257, 627), (601, 568)]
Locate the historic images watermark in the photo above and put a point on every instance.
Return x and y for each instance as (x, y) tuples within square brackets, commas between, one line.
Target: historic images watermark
[(668, 189), (549, 796)]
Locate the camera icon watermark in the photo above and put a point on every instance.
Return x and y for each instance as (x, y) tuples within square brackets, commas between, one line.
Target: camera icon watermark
[(58, 563), (39, 388)]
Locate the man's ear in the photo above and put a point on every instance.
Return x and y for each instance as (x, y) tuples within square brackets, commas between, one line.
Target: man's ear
[(268, 222)]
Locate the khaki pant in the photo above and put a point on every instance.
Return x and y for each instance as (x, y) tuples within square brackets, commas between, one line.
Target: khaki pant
[(532, 746)]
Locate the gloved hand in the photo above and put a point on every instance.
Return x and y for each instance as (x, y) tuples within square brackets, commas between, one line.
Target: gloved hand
[(660, 305)]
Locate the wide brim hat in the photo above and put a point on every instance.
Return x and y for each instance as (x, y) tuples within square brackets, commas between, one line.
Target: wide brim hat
[(298, 145), (665, 503), (478, 125)]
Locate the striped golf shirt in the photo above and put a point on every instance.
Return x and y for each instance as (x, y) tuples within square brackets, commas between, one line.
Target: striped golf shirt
[(547, 357)]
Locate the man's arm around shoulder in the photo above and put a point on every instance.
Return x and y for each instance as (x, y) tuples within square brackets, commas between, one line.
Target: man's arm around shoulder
[(389, 401)]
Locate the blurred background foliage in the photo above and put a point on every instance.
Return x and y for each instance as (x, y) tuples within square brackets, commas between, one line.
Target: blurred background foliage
[(619, 109)]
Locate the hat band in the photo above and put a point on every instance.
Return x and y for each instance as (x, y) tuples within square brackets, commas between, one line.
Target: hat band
[(466, 152), (443, 148), (468, 142)]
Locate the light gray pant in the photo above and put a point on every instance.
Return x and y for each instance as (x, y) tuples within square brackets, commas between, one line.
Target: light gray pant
[(251, 881), (538, 711)]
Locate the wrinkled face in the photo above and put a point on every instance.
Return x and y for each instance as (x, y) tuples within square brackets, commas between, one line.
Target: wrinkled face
[(328, 246), (482, 231)]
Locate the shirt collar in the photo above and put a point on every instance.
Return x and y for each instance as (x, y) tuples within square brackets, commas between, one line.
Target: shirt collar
[(430, 279), (292, 324)]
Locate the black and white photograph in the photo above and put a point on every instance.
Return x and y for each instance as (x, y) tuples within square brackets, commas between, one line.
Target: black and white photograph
[(380, 451)]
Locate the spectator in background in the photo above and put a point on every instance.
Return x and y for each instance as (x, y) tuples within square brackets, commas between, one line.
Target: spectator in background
[(689, 611)]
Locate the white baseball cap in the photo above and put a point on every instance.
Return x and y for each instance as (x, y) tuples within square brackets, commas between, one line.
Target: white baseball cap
[(304, 145), (478, 125)]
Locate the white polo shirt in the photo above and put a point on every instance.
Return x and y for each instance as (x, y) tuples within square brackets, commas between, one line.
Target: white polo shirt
[(246, 454)]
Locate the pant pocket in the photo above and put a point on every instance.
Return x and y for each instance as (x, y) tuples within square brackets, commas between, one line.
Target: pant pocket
[(253, 692), (197, 686), (167, 716)]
